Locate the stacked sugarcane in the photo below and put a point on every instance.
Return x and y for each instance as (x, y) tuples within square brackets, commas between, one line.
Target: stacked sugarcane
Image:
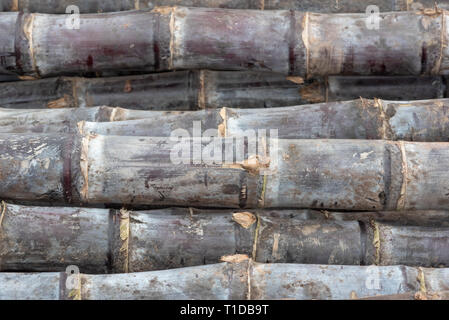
[(276, 154)]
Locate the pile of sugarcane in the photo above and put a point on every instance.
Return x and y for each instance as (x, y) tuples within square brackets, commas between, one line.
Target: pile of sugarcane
[(224, 149)]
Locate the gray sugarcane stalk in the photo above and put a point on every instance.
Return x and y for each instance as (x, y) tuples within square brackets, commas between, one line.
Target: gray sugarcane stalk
[(237, 279), (205, 89), (48, 239), (259, 172), (424, 120), (95, 6), (61, 120), (286, 41)]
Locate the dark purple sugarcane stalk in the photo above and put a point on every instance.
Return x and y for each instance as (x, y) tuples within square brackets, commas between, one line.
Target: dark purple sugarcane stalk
[(205, 89), (172, 38), (325, 6)]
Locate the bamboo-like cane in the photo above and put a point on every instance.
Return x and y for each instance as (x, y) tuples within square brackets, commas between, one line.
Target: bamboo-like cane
[(188, 90), (359, 119), (169, 38), (424, 120), (95, 6), (194, 90), (117, 241), (237, 280), (334, 174)]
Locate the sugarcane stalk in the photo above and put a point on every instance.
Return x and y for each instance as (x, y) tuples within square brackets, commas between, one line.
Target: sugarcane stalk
[(182, 171), (48, 239), (182, 90), (205, 89), (424, 120), (61, 120), (89, 6), (237, 280), (300, 43)]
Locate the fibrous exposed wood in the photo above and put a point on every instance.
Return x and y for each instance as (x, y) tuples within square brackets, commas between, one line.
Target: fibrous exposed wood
[(94, 6), (425, 120), (237, 281), (194, 90), (289, 42), (334, 174), (50, 239)]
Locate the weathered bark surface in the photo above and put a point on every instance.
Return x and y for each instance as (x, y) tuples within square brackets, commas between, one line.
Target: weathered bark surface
[(340, 88), (50, 239), (231, 281), (424, 120), (194, 90), (37, 167), (90, 6), (300, 43), (424, 245), (334, 174)]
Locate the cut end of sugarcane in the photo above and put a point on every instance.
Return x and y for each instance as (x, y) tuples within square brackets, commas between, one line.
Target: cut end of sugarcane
[(244, 219), (237, 258)]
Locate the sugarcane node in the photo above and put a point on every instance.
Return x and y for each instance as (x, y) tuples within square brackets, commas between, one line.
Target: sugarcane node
[(2, 214)]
